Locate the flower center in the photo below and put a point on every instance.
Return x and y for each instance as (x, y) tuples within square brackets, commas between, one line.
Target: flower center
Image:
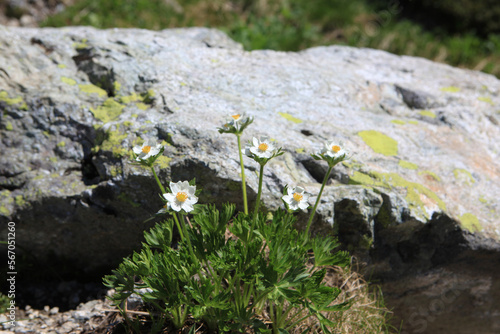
[(146, 149), (336, 148), (181, 196), (263, 147), (236, 117), (297, 197)]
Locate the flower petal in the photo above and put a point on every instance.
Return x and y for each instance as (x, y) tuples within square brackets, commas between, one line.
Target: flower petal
[(174, 187), (176, 206)]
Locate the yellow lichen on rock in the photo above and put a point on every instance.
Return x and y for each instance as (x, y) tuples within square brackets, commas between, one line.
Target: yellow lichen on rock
[(93, 89), (110, 110), (290, 117), (470, 222), (379, 142)]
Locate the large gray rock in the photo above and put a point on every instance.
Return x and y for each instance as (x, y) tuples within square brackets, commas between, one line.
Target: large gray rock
[(419, 196)]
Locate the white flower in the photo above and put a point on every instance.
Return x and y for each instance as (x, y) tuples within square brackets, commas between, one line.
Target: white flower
[(261, 148), (182, 196), (235, 121), (296, 198), (333, 150), (147, 150)]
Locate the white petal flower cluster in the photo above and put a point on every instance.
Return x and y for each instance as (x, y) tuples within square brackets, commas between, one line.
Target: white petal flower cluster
[(236, 124), (296, 198), (182, 197), (235, 121), (262, 148), (332, 152), (149, 149)]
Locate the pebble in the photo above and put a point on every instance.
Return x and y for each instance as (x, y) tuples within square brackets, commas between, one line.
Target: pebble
[(85, 318)]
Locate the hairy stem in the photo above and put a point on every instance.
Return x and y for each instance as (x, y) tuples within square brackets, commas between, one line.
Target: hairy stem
[(259, 193), (317, 199), (158, 180), (243, 183)]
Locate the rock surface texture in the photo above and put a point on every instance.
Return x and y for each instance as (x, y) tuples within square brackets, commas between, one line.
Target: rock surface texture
[(418, 201)]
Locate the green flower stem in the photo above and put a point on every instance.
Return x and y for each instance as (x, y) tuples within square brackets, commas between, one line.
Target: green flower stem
[(259, 193), (158, 180), (256, 211), (186, 236), (178, 225), (243, 183), (317, 199)]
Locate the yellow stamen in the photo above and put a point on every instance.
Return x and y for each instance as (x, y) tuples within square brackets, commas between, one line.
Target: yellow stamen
[(297, 197), (181, 196), (236, 117), (263, 147), (336, 148), (146, 149)]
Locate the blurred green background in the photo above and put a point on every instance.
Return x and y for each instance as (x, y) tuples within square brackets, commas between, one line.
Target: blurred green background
[(464, 33)]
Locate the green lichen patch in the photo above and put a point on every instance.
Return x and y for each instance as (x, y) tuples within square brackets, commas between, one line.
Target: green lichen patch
[(163, 161), (93, 89), (9, 126), (109, 111), (113, 142), (351, 163), (61, 144), (20, 200), (407, 164), (450, 89), (398, 122), (427, 113), (431, 174), (80, 45), (379, 142), (413, 122), (463, 176), (68, 81), (470, 222), (117, 86), (360, 178), (142, 106), (134, 97), (290, 117), (483, 200), (4, 97), (485, 99), (4, 211), (115, 171), (61, 66), (299, 150), (417, 195)]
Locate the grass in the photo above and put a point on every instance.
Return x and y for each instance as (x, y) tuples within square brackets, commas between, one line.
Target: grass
[(291, 25)]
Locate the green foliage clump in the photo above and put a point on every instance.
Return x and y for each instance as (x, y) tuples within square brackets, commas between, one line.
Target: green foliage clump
[(234, 274)]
